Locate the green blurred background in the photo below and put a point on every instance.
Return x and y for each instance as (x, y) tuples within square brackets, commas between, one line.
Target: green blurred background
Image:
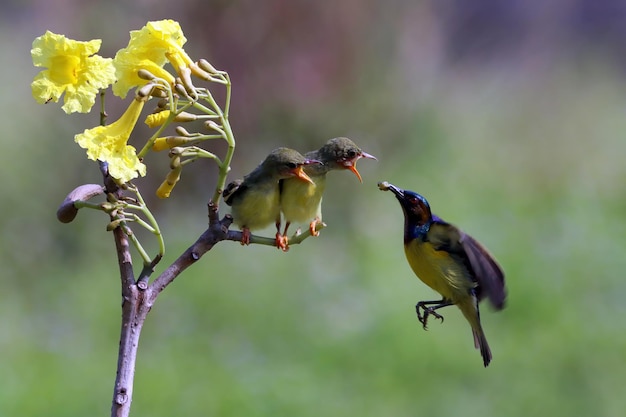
[(508, 116)]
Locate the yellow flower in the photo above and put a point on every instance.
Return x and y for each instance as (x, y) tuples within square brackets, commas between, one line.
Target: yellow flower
[(157, 119), (127, 65), (150, 48), (109, 144), (73, 69)]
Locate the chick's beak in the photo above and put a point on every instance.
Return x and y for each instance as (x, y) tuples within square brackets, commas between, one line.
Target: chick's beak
[(352, 167), (368, 156), (299, 173), (351, 163)]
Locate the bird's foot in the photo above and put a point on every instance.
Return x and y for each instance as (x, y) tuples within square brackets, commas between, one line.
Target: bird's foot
[(282, 242), (313, 227), (245, 236), (428, 311)]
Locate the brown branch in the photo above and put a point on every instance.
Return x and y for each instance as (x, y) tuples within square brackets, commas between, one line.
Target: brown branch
[(138, 297), (137, 303), (217, 231), (133, 317)]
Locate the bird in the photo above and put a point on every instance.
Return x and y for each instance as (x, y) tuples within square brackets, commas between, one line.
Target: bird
[(450, 262), (255, 199), (302, 201)]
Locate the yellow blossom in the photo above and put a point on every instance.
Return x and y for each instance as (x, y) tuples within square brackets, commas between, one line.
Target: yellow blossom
[(109, 144), (127, 66), (150, 48), (157, 119), (72, 68)]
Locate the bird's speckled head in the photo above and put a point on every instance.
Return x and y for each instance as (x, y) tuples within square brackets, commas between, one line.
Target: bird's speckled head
[(342, 153)]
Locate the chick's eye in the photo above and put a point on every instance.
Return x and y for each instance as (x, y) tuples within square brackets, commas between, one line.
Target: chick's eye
[(351, 154), (291, 165)]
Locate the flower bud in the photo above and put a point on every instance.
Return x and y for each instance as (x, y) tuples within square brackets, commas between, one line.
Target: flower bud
[(168, 142), (67, 210), (114, 224), (144, 74), (183, 116), (167, 186), (206, 65), (211, 125), (181, 131)]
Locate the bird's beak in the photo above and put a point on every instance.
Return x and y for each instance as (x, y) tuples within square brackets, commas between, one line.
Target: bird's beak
[(399, 192), (299, 172), (352, 167), (385, 186), (350, 164), (368, 156)]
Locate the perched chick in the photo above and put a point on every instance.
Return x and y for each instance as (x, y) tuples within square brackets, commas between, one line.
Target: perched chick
[(450, 262), (302, 201), (255, 200)]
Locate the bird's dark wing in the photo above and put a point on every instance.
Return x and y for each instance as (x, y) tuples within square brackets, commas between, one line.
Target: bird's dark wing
[(232, 190), (474, 256), (488, 273)]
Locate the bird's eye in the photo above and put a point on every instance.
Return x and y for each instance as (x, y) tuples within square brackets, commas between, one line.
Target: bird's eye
[(413, 200), (351, 154), (292, 165)]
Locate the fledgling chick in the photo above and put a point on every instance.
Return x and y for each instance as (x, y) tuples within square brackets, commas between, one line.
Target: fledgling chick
[(255, 200), (302, 201)]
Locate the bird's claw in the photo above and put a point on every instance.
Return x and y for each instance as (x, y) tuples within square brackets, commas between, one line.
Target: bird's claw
[(428, 311), (282, 242), (245, 236), (313, 227)]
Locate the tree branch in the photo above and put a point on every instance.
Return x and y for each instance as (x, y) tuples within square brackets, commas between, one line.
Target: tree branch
[(138, 297), (217, 231)]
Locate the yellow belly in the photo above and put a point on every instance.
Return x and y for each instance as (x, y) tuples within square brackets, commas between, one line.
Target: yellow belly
[(258, 209), (439, 270), (301, 201)]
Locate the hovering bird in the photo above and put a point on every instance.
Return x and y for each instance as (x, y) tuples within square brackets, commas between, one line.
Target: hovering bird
[(450, 262), (302, 201), (255, 200)]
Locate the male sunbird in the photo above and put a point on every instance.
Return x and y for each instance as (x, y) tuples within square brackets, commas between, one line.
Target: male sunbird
[(450, 262), (255, 200), (302, 201)]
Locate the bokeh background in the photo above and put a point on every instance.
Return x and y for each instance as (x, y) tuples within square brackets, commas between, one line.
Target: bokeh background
[(510, 117)]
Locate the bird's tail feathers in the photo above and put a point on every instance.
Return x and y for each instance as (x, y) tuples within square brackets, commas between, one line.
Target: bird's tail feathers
[(480, 342), (469, 308), (230, 189)]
